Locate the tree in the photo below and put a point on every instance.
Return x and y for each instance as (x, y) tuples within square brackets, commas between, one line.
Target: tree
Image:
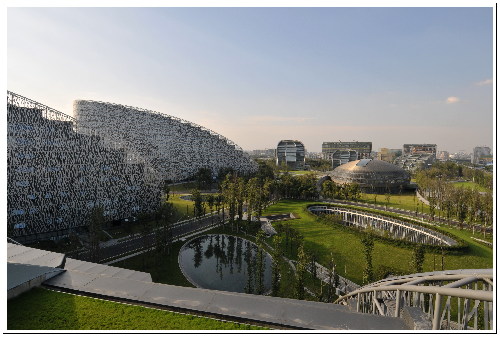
[(163, 230), (260, 262), (387, 199), (203, 178), (368, 245), (331, 286), (253, 197), (302, 259), (166, 189), (418, 257), (240, 197), (211, 203), (198, 202), (228, 192), (277, 253)]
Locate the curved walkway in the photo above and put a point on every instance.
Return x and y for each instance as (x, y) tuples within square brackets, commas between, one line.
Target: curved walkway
[(418, 216)]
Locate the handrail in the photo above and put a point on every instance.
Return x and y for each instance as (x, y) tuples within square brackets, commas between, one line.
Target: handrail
[(480, 295), (422, 230)]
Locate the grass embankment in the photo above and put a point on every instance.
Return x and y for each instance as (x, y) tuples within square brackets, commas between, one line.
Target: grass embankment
[(347, 250), (42, 309)]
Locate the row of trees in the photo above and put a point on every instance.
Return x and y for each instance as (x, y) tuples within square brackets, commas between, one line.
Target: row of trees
[(447, 171), (465, 204), (331, 190)]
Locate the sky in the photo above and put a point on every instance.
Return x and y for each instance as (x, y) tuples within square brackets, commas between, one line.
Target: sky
[(259, 75)]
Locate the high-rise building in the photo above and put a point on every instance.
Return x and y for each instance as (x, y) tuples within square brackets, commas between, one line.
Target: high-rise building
[(481, 155), (335, 151), (291, 153)]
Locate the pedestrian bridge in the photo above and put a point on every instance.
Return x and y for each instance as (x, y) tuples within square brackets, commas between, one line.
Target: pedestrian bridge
[(383, 225)]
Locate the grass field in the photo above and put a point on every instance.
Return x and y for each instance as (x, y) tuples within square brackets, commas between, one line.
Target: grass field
[(183, 207), (471, 185), (347, 248), (42, 309), (404, 201)]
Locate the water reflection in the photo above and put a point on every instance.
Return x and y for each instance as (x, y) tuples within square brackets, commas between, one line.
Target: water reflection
[(224, 262)]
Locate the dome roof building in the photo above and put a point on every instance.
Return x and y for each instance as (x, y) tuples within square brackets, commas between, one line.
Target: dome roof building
[(372, 175)]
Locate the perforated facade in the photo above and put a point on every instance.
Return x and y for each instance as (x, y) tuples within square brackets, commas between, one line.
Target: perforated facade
[(58, 176), (176, 148)]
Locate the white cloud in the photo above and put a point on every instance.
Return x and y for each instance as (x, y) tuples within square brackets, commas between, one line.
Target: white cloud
[(452, 100), (485, 82)]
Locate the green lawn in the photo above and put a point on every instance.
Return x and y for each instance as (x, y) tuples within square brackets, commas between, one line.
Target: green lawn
[(164, 268), (42, 309), (471, 185), (404, 201), (347, 248), (183, 207)]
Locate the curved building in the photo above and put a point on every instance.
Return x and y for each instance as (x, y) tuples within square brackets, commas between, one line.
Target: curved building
[(57, 176), (291, 153), (176, 148), (372, 175)]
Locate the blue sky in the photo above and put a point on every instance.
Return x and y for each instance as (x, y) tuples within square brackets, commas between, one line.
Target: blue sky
[(258, 75)]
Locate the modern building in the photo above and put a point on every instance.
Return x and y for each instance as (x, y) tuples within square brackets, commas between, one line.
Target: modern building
[(388, 155), (372, 176), (110, 157), (416, 156), (341, 157), (56, 176), (174, 147), (291, 153), (419, 149), (481, 155), (333, 151)]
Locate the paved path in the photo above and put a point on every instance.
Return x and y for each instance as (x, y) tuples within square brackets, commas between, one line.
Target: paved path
[(114, 248)]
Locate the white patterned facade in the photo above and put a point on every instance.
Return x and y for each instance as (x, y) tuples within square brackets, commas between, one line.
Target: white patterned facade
[(176, 148), (57, 176)]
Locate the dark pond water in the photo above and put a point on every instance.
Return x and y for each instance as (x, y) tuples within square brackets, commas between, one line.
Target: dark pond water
[(224, 262)]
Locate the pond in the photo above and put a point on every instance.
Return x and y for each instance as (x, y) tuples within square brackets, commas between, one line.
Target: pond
[(226, 262)]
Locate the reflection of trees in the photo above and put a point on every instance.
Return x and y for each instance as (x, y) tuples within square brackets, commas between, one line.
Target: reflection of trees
[(198, 253), (249, 261), (209, 252), (239, 251), (230, 252)]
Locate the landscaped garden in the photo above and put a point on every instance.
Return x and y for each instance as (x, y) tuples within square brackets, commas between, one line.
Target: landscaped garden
[(347, 249)]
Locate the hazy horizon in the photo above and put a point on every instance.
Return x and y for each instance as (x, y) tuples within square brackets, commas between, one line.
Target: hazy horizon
[(391, 76)]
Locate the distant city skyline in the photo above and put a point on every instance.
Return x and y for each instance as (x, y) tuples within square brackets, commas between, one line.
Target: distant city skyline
[(390, 76)]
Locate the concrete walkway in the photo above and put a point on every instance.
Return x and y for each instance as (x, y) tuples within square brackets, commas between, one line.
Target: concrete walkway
[(289, 313)]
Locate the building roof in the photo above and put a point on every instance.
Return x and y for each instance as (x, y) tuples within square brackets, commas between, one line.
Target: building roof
[(370, 166)]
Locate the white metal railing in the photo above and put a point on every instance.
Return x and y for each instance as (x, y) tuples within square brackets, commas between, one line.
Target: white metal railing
[(455, 300), (408, 230)]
